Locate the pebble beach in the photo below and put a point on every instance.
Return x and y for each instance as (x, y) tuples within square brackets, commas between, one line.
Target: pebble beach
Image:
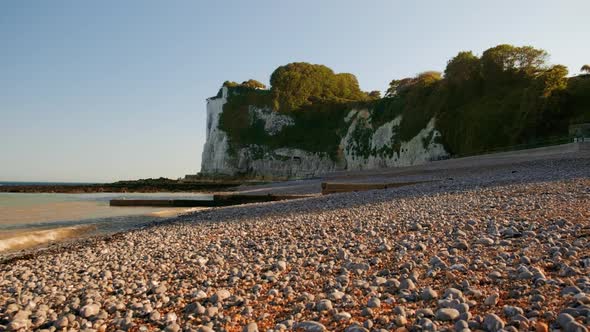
[(501, 249)]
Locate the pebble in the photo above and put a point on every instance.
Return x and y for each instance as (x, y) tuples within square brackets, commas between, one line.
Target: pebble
[(220, 296), (90, 310), (324, 305), (356, 328), (173, 327), (429, 294), (310, 326), (453, 293), (407, 284), (447, 314), (336, 295), (250, 327), (334, 262), (343, 315), (575, 327), (485, 241), (541, 327), (564, 319), (493, 323), (374, 302), (492, 300)]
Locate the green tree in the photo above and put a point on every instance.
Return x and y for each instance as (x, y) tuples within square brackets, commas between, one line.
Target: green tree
[(497, 60), (376, 94), (585, 69), (396, 87), (301, 84), (230, 84), (554, 78), (530, 60), (428, 77), (503, 61), (463, 67), (392, 90), (254, 84)]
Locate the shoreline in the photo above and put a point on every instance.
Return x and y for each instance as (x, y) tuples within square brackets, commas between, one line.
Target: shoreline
[(75, 243), (116, 188), (21, 239), (504, 247)]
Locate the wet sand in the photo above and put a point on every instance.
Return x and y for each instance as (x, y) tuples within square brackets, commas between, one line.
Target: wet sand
[(28, 220)]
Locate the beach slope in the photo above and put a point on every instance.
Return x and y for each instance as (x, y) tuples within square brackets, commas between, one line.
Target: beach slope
[(504, 248)]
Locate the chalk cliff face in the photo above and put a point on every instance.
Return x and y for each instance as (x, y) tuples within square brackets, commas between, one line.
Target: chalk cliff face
[(215, 158), (381, 148)]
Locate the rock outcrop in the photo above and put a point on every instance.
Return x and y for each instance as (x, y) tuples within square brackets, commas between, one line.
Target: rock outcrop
[(379, 147)]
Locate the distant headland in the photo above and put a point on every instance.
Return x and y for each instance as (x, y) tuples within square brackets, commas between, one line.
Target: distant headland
[(312, 121)]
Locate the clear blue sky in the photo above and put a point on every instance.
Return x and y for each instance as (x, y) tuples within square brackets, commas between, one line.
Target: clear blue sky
[(107, 90)]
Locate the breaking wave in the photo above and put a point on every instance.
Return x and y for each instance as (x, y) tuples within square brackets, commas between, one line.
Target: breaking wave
[(27, 239)]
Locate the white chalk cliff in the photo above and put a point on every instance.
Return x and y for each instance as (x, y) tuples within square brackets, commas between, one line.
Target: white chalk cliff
[(215, 158), (384, 149)]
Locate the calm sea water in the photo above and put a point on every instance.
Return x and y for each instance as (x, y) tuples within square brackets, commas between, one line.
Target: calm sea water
[(31, 219)]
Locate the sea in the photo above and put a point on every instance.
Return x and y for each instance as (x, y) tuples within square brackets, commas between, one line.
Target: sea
[(39, 219)]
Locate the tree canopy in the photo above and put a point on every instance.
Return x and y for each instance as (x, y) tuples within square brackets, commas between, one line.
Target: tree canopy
[(301, 84), (376, 94), (463, 67), (254, 84), (502, 61), (507, 96)]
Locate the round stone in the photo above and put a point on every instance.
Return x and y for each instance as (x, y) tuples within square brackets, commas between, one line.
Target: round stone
[(310, 326), (429, 294), (324, 305), (493, 323), (447, 314), (251, 327), (374, 302), (90, 310)]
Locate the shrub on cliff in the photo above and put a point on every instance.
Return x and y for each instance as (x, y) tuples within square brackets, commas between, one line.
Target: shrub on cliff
[(254, 84), (577, 98), (300, 84), (250, 84), (376, 94), (230, 84), (508, 96)]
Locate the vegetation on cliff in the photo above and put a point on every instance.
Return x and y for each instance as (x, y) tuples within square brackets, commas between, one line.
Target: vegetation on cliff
[(507, 96), (299, 85)]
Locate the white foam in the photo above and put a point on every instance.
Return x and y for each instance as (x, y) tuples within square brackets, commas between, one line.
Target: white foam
[(27, 239)]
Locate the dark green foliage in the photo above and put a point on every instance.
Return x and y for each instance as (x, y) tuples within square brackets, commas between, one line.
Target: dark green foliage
[(376, 94), (515, 99), (503, 61), (317, 129), (298, 85), (463, 67), (577, 99), (230, 84), (237, 121), (254, 84), (422, 102), (362, 137), (386, 109), (508, 97)]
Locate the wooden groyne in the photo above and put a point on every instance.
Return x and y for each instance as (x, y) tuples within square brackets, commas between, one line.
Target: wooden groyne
[(334, 187), (218, 200)]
